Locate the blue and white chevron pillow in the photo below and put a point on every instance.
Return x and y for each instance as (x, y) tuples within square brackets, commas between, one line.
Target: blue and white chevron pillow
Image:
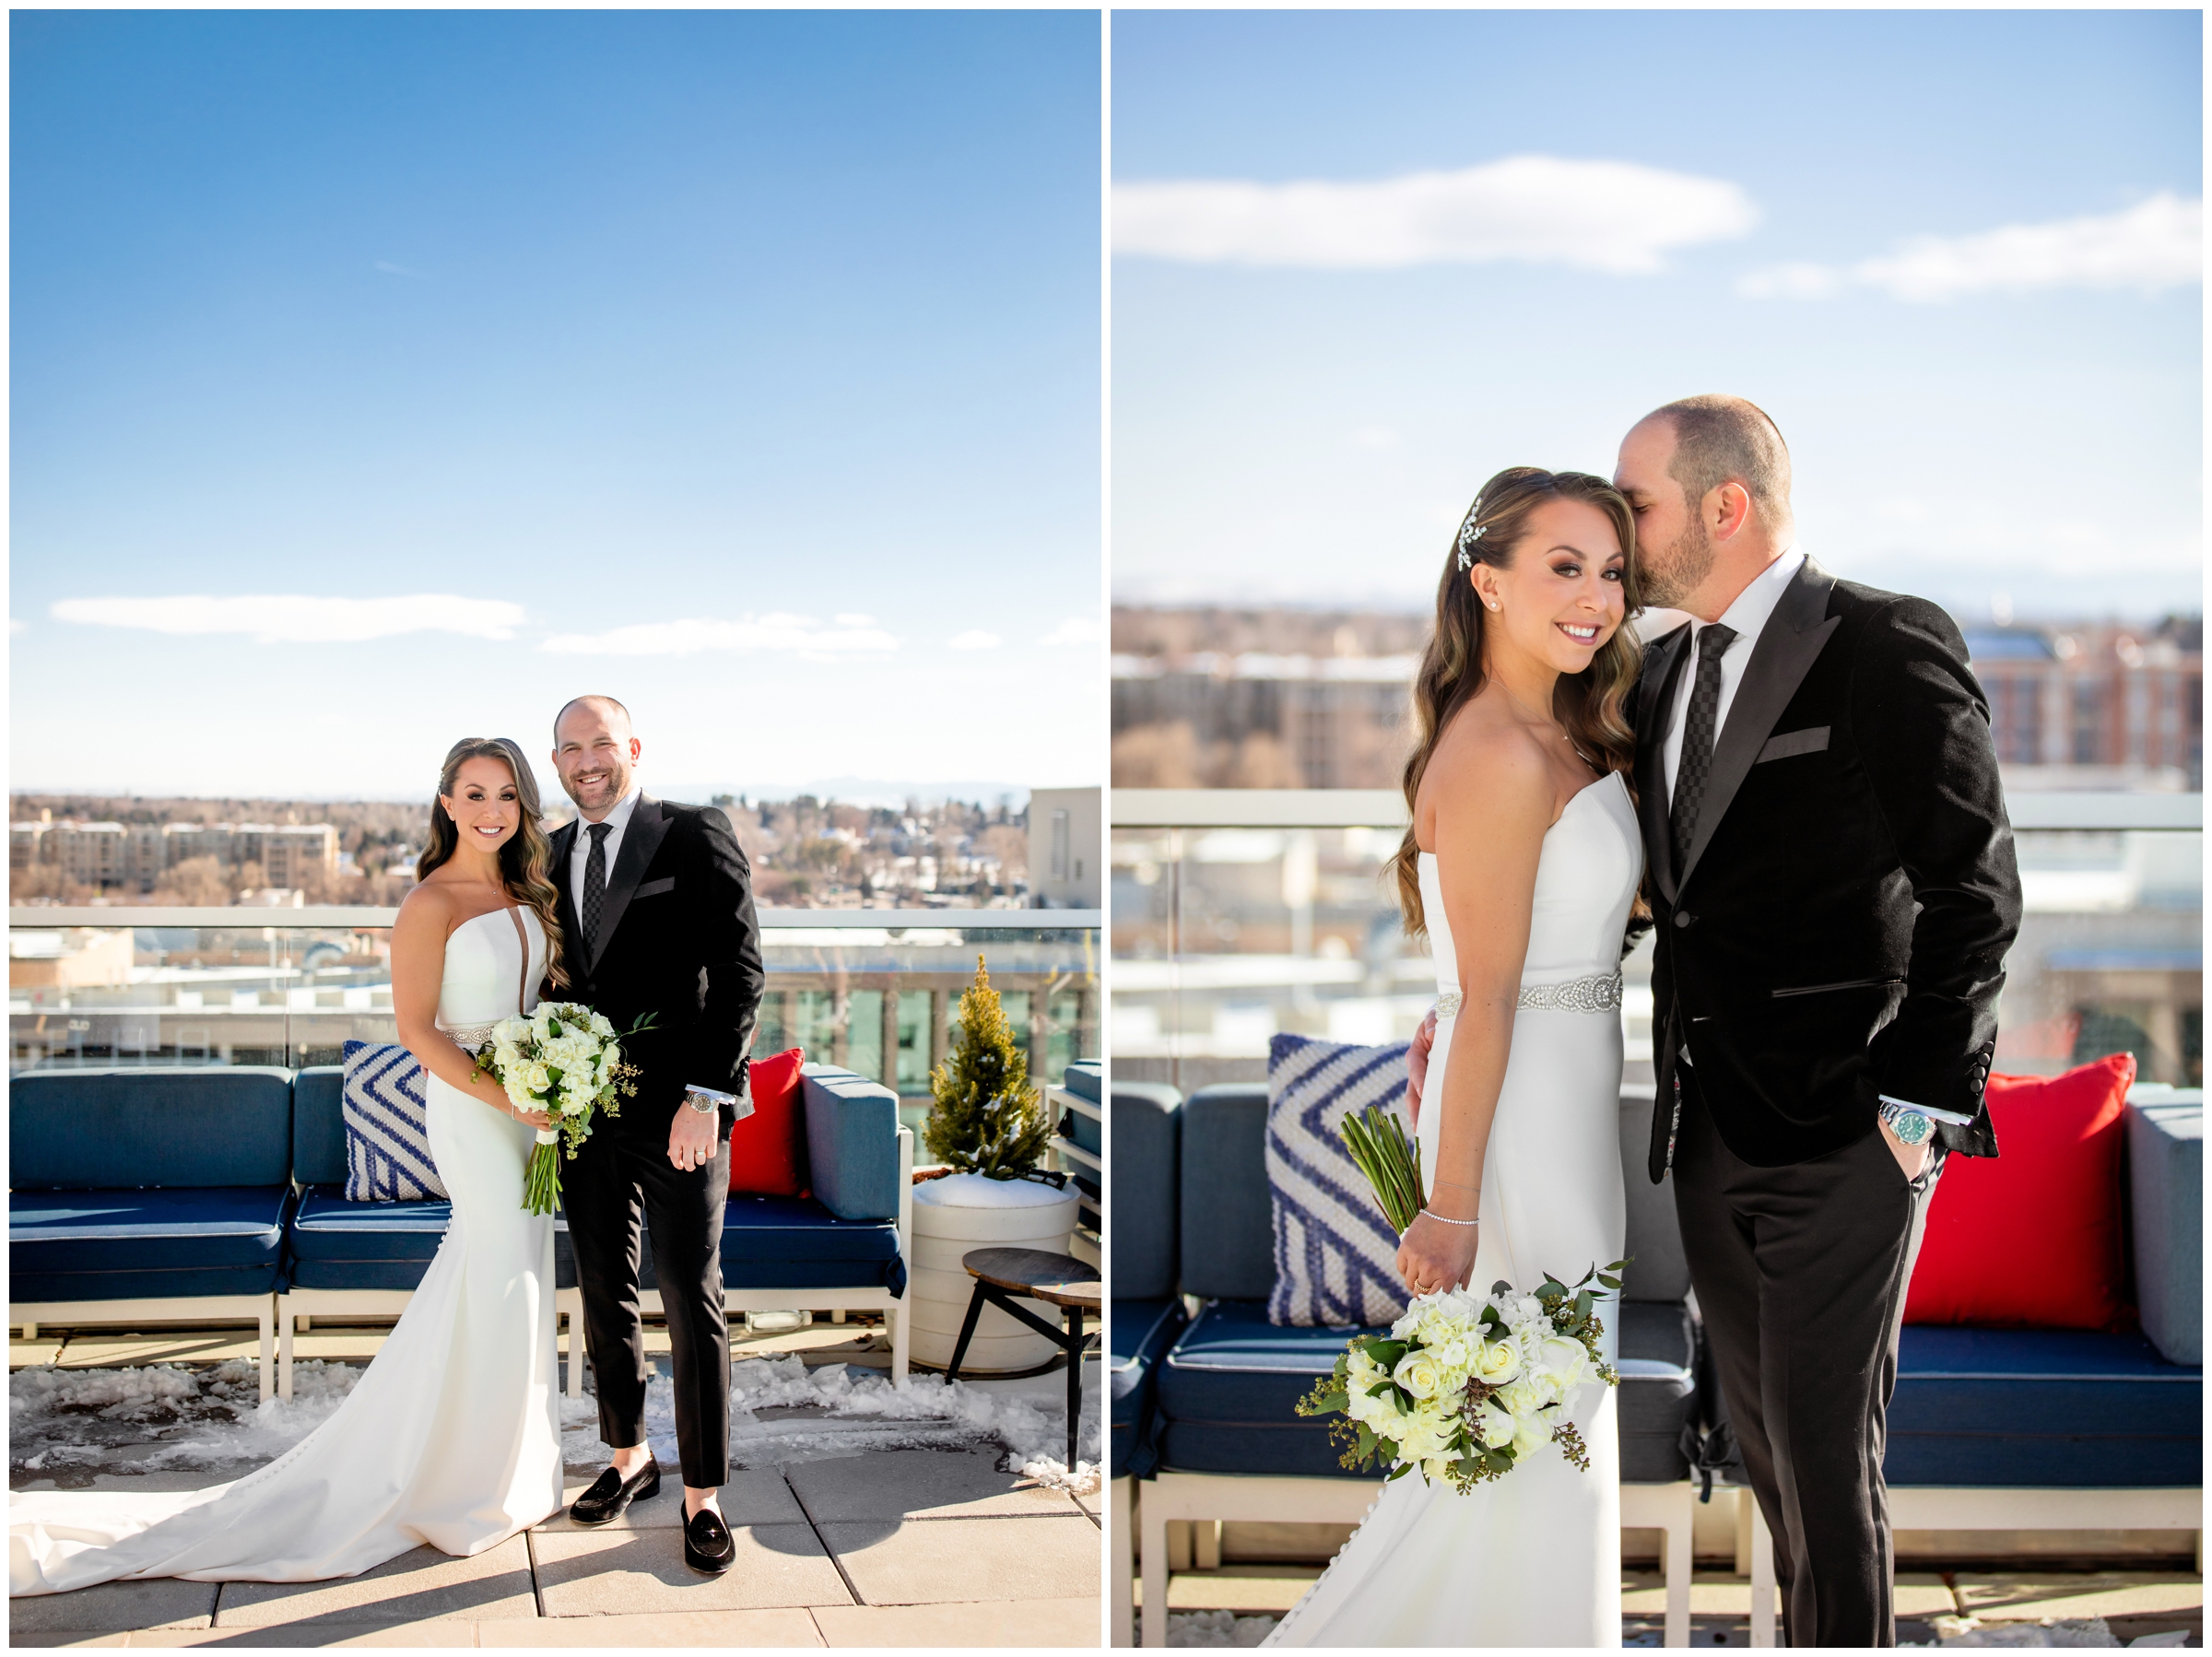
[(387, 1131), (1334, 1254)]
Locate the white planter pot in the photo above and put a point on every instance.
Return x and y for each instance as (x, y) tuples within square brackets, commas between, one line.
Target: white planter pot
[(962, 1212)]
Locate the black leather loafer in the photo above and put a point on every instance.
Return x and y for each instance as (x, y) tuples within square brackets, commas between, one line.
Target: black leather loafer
[(611, 1493), (708, 1546)]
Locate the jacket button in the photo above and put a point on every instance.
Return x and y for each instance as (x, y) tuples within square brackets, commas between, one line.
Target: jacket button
[(1684, 919)]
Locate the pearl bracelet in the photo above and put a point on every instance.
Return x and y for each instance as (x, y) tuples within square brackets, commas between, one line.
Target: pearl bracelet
[(1434, 1215)]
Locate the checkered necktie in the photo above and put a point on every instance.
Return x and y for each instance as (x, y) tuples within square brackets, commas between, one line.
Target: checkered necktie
[(1696, 764), (594, 880)]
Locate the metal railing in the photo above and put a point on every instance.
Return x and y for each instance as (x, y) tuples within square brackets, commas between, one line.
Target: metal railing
[(873, 990)]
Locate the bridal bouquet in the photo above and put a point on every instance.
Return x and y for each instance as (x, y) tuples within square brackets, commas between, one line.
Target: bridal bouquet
[(1463, 1387), (565, 1059)]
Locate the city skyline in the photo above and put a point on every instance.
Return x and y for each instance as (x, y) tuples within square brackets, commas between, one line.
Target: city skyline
[(1362, 261), (387, 377)]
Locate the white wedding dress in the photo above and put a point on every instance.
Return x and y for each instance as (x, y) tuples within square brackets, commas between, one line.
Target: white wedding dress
[(1532, 1559), (451, 1437)]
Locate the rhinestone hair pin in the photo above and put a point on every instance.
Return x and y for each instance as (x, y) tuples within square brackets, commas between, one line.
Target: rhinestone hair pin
[(1471, 532)]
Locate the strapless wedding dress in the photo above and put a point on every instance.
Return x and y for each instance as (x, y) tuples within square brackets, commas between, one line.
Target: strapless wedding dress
[(1534, 1558), (451, 1437)]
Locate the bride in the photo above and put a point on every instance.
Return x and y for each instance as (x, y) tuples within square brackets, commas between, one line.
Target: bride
[(451, 1437), (1522, 864)]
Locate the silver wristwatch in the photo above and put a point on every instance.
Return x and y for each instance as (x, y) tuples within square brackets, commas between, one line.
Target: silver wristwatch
[(706, 1100), (1910, 1126)]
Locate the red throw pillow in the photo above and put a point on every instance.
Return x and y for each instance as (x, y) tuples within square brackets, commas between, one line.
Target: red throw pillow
[(2031, 1238), (768, 1149)]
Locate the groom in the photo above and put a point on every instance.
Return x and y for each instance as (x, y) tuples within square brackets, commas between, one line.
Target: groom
[(1831, 873), (657, 914)]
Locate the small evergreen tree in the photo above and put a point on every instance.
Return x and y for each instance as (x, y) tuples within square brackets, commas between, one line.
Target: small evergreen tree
[(985, 1118)]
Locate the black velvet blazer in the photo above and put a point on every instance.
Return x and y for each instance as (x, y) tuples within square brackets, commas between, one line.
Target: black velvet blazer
[(680, 940), (1838, 928)]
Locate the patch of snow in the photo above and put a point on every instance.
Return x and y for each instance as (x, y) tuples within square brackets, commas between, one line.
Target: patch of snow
[(2050, 1631), (979, 1191), (71, 1426), (1217, 1628)]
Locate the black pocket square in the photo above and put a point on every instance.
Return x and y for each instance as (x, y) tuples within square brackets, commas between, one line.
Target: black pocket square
[(653, 888), (1811, 740)]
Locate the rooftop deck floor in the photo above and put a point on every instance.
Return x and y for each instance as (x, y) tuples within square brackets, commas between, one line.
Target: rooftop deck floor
[(914, 1547)]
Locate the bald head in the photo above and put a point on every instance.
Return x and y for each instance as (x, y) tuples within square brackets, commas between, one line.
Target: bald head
[(1723, 439), (603, 709)]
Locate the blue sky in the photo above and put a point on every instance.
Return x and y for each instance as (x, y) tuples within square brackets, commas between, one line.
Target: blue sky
[(1303, 406), (743, 365)]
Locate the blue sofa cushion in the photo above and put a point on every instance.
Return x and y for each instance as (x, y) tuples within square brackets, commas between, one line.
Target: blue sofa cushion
[(1658, 1270), (338, 1243), (1085, 1078), (2041, 1409), (2166, 1215), (319, 1125), (793, 1243), (1138, 1333), (1228, 1388), (112, 1245), (1147, 1140), (1658, 1396), (167, 1126), (852, 1144), (1227, 1221), (388, 1155)]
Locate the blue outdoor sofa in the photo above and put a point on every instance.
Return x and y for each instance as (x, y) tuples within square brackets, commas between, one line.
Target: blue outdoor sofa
[(1211, 1431), (164, 1196), (156, 1194)]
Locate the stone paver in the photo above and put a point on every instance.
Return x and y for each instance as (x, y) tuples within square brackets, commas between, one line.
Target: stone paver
[(1070, 1622), (791, 1626), (2028, 1596), (587, 1573), (942, 1560), (1716, 1594), (115, 1607), (416, 1636), (23, 1354), (339, 1343), (421, 1585), (754, 1496), (918, 1484)]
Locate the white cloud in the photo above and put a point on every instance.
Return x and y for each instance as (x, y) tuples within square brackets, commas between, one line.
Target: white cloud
[(15, 626), (291, 618), (1605, 215), (2156, 244), (774, 631), (976, 639), (1075, 630)]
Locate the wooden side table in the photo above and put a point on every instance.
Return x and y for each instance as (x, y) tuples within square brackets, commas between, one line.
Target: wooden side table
[(1059, 1280)]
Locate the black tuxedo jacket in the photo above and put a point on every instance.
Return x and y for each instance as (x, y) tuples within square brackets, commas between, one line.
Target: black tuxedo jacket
[(1838, 929), (679, 939)]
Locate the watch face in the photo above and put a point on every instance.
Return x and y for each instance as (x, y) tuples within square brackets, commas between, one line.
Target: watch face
[(1912, 1128)]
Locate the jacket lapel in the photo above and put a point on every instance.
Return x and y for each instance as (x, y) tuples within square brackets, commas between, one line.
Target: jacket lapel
[(648, 827), (1662, 665), (1788, 645), (564, 848)]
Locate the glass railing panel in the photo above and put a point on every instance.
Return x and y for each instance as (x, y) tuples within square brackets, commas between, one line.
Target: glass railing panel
[(88, 989), (1226, 935)]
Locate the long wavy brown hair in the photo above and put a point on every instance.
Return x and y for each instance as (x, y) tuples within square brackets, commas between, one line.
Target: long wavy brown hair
[(525, 861), (1591, 705)]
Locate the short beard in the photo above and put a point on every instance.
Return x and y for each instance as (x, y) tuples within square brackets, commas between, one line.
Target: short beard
[(1673, 576)]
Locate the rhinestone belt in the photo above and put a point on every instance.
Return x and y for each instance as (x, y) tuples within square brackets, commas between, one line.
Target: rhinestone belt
[(1597, 994), (473, 1036)]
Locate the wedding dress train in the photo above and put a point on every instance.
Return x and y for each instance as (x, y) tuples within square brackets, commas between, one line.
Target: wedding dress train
[(451, 1438), (1534, 1558)]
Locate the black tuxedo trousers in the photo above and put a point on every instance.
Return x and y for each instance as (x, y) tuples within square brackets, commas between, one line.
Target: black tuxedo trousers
[(614, 1178), (1801, 1273)]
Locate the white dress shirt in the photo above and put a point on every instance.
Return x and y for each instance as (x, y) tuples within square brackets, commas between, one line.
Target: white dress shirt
[(1748, 614), (579, 853)]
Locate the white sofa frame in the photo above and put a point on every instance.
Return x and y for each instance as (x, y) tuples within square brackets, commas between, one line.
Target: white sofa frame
[(1170, 1497), (184, 1309), (301, 1306)]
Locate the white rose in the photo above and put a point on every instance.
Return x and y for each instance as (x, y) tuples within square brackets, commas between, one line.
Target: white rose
[(535, 1080), (1524, 1397), (601, 1026), (1498, 1363), (1420, 1374), (1562, 1357)]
